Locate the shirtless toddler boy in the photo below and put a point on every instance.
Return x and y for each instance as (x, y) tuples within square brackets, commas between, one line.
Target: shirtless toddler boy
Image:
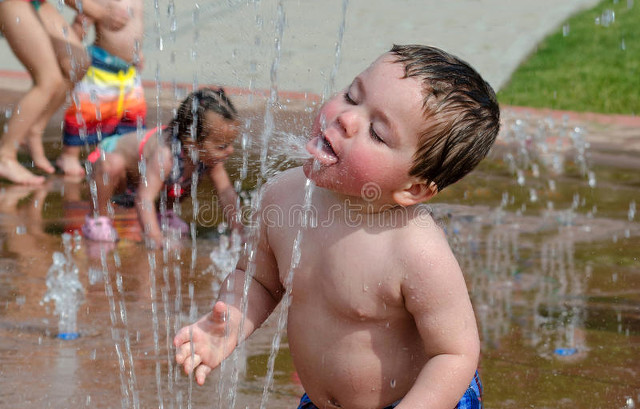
[(110, 98), (379, 314)]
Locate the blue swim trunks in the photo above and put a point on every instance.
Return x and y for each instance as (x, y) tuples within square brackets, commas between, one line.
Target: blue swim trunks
[(472, 398)]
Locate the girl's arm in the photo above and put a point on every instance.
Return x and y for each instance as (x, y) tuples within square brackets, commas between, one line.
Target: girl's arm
[(111, 14), (158, 164), (226, 194)]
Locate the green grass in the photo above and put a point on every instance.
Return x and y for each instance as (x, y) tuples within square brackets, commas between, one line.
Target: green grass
[(594, 68)]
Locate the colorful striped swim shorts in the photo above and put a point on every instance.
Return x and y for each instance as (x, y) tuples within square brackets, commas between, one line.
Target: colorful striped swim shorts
[(108, 101)]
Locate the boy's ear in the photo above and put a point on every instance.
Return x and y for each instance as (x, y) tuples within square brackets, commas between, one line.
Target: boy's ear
[(415, 192)]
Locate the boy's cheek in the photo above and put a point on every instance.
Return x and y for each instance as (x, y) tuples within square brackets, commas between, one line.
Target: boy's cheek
[(325, 115)]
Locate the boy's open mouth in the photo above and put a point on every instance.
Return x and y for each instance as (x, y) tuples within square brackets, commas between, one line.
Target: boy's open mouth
[(320, 148)]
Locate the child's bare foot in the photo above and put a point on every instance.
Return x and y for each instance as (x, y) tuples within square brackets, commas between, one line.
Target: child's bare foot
[(36, 150), (70, 165), (12, 170), (43, 163)]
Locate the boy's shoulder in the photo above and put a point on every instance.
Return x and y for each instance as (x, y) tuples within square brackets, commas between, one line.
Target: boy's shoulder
[(285, 183), (419, 233)]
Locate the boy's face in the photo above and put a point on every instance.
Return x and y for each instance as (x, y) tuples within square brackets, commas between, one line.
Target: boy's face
[(363, 139), (219, 134)]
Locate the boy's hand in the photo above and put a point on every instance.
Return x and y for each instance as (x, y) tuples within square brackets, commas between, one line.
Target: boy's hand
[(116, 16), (81, 25), (202, 346)]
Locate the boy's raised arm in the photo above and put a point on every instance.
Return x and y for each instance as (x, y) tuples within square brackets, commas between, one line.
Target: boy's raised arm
[(436, 295)]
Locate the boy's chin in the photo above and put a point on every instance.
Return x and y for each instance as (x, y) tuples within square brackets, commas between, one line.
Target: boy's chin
[(307, 168), (313, 172)]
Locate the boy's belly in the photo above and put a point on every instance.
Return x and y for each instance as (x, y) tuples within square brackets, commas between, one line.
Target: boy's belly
[(353, 365), (124, 44)]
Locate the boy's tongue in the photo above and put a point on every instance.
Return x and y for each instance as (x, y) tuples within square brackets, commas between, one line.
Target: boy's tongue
[(321, 150)]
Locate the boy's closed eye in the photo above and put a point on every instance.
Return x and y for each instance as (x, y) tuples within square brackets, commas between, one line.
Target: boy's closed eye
[(374, 135), (348, 98)]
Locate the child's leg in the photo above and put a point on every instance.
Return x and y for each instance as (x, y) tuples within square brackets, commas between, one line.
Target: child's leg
[(72, 56), (109, 175), (33, 142), (74, 62), (30, 43), (69, 161)]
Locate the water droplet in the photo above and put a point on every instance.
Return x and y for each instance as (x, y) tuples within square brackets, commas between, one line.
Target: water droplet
[(592, 179), (535, 169)]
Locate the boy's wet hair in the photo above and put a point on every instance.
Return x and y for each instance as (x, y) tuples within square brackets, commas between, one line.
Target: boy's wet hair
[(188, 120), (460, 109)]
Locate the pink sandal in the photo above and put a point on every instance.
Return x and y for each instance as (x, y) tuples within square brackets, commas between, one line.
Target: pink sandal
[(99, 229), (174, 222)]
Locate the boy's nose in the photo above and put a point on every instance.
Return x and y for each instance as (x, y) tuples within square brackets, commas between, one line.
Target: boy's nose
[(349, 120)]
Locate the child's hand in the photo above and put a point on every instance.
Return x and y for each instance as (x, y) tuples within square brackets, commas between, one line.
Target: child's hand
[(154, 242), (81, 25), (202, 346), (116, 16)]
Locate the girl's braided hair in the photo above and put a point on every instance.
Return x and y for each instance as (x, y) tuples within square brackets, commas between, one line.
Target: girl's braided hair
[(187, 122)]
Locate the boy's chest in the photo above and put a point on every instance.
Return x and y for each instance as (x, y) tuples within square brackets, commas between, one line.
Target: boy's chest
[(352, 272)]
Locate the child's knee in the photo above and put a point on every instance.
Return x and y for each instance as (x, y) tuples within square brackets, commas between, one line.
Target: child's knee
[(114, 166), (74, 65), (53, 85), (79, 63)]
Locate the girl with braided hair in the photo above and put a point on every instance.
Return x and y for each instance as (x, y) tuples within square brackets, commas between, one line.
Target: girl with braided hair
[(198, 140)]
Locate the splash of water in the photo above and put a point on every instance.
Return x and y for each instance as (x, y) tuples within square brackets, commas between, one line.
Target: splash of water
[(296, 250), (65, 290)]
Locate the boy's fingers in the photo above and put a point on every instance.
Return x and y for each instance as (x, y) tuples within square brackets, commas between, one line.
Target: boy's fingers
[(181, 338), (219, 312), (191, 363), (182, 353), (201, 373)]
